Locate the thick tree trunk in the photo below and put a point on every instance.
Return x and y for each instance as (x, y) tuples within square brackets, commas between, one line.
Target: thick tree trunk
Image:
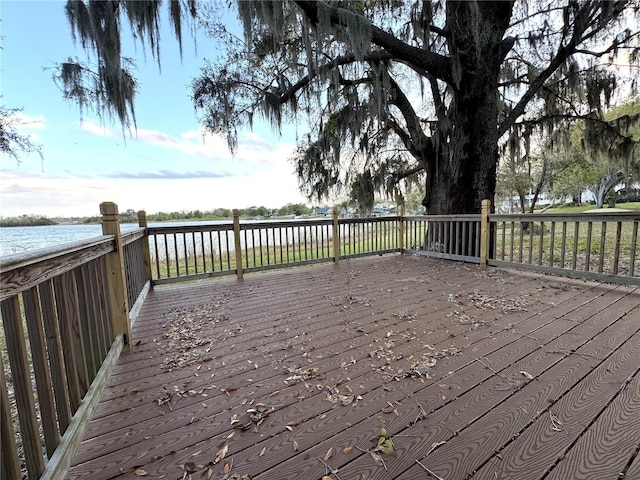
[(465, 172)]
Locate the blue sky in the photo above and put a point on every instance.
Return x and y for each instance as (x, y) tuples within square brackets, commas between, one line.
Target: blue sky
[(166, 166)]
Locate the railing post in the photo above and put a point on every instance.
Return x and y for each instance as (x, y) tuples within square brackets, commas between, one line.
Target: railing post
[(336, 236), (116, 286), (142, 222), (236, 239), (401, 228), (484, 232)]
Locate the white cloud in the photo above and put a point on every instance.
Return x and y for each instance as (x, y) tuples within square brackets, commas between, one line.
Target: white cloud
[(74, 195), (31, 122), (99, 130), (252, 148)]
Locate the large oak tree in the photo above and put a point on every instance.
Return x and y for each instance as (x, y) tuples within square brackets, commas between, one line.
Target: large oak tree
[(391, 91)]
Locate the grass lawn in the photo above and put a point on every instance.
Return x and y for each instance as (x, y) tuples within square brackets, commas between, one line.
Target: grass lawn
[(584, 208)]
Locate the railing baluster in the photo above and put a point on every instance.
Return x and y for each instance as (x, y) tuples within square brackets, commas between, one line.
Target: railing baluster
[(587, 262), (576, 236), (603, 238), (632, 253), (541, 243), (616, 253), (511, 240), (44, 387), (54, 349), (563, 246), (21, 377), (552, 238)]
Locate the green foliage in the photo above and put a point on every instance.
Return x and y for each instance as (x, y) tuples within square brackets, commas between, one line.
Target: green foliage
[(390, 91), (108, 85), (12, 142), (26, 221)]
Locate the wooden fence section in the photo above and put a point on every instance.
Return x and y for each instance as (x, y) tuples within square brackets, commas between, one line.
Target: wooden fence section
[(59, 309), (136, 268), (192, 252), (597, 246), (66, 311), (454, 237)]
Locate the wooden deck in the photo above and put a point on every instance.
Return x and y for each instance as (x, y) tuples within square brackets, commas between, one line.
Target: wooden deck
[(483, 375)]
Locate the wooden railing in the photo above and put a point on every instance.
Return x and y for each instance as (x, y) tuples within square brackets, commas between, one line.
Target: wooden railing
[(192, 252), (65, 317), (454, 237), (599, 246), (66, 312)]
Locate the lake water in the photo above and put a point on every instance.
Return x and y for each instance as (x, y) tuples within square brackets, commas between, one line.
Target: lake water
[(22, 239)]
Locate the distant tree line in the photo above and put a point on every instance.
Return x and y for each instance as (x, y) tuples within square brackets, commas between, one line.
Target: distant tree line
[(131, 216), (26, 221)]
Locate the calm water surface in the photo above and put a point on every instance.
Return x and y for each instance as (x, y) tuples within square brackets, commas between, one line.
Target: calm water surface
[(23, 239)]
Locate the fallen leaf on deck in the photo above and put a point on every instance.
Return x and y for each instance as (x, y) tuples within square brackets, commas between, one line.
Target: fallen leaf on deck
[(329, 454), (221, 454), (526, 374), (377, 458), (327, 477), (347, 450), (386, 446), (227, 468), (263, 451), (295, 446), (141, 473)]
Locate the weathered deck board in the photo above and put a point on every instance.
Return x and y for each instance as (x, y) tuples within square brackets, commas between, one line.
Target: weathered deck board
[(364, 324)]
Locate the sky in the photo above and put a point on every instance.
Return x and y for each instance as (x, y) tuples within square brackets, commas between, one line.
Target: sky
[(167, 165)]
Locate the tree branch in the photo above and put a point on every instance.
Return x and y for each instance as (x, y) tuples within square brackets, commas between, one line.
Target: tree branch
[(586, 16), (437, 65)]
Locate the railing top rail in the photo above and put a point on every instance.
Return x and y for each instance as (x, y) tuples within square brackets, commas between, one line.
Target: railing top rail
[(575, 217), (285, 223), (132, 235), (468, 217), (20, 260), (25, 270), (382, 218), (203, 227)]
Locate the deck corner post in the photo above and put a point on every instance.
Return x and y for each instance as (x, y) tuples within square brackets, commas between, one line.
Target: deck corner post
[(142, 222), (238, 246), (336, 236), (116, 280), (401, 228), (484, 232)]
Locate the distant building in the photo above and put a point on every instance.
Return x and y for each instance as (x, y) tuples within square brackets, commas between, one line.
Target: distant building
[(321, 212)]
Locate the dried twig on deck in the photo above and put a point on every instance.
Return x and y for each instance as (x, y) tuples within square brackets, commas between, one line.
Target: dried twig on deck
[(437, 477), (495, 372), (334, 472)]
